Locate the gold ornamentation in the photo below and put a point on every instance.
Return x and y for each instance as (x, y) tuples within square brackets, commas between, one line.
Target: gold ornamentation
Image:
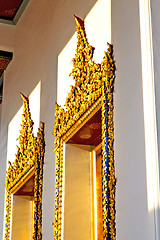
[(28, 161), (93, 90), (87, 89)]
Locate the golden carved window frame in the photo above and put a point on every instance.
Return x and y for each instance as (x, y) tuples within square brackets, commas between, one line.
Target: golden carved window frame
[(28, 162), (93, 90)]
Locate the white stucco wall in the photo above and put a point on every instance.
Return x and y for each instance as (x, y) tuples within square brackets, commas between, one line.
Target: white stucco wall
[(135, 217), (37, 40)]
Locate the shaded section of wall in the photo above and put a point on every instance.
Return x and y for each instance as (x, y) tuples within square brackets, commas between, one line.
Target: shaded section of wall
[(6, 44), (155, 18), (7, 37)]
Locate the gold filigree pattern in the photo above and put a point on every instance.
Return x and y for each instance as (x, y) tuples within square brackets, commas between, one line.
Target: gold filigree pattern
[(25, 154), (88, 82), (28, 161), (94, 85)]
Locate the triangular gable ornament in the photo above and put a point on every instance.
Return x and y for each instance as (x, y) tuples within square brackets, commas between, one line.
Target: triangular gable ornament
[(28, 162), (94, 87)]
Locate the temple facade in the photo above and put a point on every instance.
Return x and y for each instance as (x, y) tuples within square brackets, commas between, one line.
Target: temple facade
[(56, 140)]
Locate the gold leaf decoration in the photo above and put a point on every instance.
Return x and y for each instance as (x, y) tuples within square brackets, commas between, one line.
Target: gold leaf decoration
[(28, 160), (94, 86), (25, 153), (88, 77)]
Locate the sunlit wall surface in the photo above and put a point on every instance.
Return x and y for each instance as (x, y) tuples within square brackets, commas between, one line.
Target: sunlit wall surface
[(152, 169), (98, 30)]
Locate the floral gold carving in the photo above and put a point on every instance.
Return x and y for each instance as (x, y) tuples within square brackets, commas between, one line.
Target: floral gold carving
[(28, 161), (93, 90)]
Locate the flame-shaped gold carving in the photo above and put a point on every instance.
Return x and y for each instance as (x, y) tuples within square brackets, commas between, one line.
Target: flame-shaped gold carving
[(25, 152), (89, 77), (93, 90), (28, 160)]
